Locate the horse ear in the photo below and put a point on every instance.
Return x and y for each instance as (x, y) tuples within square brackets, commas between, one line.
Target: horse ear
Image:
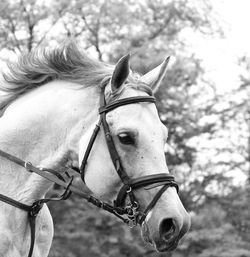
[(120, 73), (154, 77)]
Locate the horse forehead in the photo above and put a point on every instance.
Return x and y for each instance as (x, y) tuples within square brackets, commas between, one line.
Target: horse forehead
[(141, 116)]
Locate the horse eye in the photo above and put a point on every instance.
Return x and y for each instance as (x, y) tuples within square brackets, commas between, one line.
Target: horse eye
[(126, 139)]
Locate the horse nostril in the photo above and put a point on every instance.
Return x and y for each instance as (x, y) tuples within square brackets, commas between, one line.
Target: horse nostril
[(167, 229)]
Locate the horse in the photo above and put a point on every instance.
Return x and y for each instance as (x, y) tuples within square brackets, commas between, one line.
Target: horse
[(49, 112)]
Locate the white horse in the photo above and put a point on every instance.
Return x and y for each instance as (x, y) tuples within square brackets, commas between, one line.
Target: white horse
[(49, 113)]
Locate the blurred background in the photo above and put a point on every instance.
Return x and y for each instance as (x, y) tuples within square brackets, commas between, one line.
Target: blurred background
[(204, 101)]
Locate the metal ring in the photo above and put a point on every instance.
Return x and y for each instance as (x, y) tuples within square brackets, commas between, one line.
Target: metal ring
[(101, 204), (129, 190), (135, 205), (26, 164)]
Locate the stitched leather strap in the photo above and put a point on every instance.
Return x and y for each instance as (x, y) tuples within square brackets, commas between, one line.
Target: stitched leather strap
[(89, 148), (32, 210), (32, 222), (153, 202), (129, 100), (15, 203), (142, 182)]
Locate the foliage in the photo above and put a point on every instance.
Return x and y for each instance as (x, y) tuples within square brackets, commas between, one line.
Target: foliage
[(102, 25), (213, 232)]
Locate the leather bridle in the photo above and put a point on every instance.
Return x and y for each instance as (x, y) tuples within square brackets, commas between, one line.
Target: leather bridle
[(135, 216), (126, 207)]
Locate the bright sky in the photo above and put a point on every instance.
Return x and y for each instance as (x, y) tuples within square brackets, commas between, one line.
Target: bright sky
[(220, 56)]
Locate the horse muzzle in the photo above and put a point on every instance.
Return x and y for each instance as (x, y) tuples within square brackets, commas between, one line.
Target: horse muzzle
[(166, 225), (168, 237)]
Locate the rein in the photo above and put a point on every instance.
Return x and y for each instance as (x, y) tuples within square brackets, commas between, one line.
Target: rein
[(128, 211)]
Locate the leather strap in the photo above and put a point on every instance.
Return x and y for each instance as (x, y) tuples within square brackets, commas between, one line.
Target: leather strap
[(113, 152), (89, 148), (152, 180), (153, 202), (43, 173), (109, 140), (125, 101), (14, 203), (12, 158), (32, 222), (32, 210)]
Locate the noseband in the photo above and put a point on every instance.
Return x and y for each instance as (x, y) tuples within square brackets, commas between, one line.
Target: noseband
[(122, 207)]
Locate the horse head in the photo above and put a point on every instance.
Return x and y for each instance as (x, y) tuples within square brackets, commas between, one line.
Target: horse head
[(138, 137), (51, 111)]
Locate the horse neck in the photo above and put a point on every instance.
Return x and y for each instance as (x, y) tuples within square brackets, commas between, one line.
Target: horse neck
[(44, 127)]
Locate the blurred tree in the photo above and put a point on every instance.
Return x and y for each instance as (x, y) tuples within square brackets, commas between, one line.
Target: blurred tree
[(213, 234), (243, 106), (144, 27), (239, 111), (221, 222), (104, 25), (25, 23)]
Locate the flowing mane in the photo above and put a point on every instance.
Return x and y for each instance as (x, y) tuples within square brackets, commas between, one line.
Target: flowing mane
[(66, 62), (41, 66)]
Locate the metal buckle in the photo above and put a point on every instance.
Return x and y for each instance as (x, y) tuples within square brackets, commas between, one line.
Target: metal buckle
[(132, 214), (129, 190), (67, 193), (35, 208), (101, 204)]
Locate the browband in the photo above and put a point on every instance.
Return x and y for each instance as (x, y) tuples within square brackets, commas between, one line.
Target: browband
[(126, 101)]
